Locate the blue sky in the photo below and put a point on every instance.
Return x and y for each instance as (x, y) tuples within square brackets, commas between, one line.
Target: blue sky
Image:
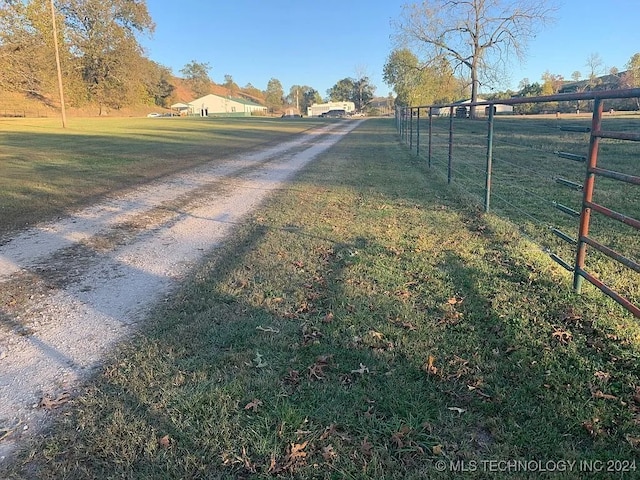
[(318, 42)]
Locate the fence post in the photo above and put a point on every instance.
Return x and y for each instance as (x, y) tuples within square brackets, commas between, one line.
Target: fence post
[(450, 144), (418, 133), (587, 196), (487, 190), (430, 133), (410, 128)]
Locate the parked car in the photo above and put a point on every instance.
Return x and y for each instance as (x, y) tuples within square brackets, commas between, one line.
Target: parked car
[(153, 115), (334, 114)]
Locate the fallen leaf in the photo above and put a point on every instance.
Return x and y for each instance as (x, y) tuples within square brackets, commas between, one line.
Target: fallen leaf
[(436, 450), (366, 447), (452, 301), (605, 396), (376, 335), (633, 441), (329, 453), (165, 441), (50, 403), (328, 318), (562, 336), (604, 376), (592, 427), (429, 367), (456, 409), (253, 405), (296, 454)]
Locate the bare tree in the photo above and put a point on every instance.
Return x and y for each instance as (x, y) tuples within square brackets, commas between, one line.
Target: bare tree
[(475, 36)]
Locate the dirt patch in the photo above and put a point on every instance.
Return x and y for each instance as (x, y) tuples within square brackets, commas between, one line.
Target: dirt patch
[(72, 289)]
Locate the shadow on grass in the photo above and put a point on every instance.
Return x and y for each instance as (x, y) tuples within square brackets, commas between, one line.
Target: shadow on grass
[(387, 358)]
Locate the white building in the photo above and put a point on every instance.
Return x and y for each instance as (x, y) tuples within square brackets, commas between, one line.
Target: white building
[(318, 109), (217, 105)]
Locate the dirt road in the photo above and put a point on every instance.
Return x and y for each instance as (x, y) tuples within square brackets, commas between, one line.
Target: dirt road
[(72, 289)]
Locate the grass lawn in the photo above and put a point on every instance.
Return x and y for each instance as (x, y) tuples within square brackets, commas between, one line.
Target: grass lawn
[(366, 323), (46, 170)]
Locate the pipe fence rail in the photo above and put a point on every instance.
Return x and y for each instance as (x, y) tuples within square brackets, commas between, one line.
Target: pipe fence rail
[(541, 171)]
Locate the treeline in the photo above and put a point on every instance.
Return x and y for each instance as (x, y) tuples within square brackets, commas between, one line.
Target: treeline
[(101, 59), (104, 65)]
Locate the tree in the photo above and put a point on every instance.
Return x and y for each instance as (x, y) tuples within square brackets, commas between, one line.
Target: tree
[(158, 82), (342, 91), (551, 83), (417, 84), (274, 95), (631, 78), (302, 96), (360, 91), (197, 76), (26, 48), (103, 37), (230, 85), (477, 36), (595, 66)]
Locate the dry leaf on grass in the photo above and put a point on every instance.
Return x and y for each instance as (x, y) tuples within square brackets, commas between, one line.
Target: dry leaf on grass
[(329, 453), (429, 367), (253, 405), (605, 396), (165, 441), (456, 409), (633, 441), (366, 447), (562, 336), (50, 403)]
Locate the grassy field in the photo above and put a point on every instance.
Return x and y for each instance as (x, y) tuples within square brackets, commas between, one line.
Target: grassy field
[(525, 187), (46, 170), (366, 323)]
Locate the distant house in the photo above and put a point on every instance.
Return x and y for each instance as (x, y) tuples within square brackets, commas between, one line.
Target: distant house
[(318, 109), (218, 105), (461, 109), (180, 108), (611, 81)]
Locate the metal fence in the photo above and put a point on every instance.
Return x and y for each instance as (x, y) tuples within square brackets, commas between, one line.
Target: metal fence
[(541, 171)]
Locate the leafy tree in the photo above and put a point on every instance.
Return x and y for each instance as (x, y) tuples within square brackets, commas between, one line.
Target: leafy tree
[(360, 91), (309, 97), (631, 78), (342, 91), (158, 82), (302, 97), (551, 83), (274, 95), (476, 36), (230, 85), (197, 76), (253, 93), (102, 35), (417, 84), (26, 48)]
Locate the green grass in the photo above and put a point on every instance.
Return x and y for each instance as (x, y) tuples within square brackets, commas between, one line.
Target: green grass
[(46, 170), (365, 323), (524, 187)]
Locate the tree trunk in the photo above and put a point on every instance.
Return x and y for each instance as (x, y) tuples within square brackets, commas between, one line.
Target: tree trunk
[(474, 92)]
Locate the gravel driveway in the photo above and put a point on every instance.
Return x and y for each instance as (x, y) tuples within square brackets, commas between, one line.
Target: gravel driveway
[(72, 289)]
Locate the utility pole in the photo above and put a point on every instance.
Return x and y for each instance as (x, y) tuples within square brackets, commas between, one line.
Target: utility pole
[(55, 43)]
